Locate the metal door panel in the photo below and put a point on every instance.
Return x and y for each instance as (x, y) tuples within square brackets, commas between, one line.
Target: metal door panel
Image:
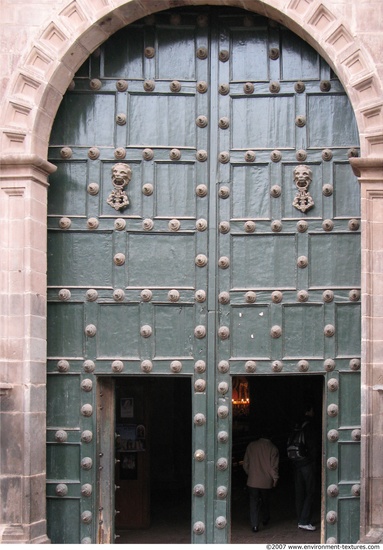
[(216, 295), (62, 517)]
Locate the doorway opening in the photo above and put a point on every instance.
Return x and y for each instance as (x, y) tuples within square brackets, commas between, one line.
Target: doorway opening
[(153, 452), (272, 406)]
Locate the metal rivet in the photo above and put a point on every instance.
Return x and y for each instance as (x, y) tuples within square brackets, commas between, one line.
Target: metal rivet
[(224, 157), (64, 294), (175, 154), (146, 365), (276, 226), (248, 88), (224, 56), (224, 89), (249, 226), (223, 388), (300, 121), (146, 331), (199, 455), (146, 295), (302, 296), (250, 297), (220, 522), (93, 153), (224, 192), (353, 152), (275, 191), (200, 296), (121, 85), (355, 490), (303, 365), (147, 189), (91, 295), (333, 490), (90, 331), (173, 295), (333, 384), (333, 435), (328, 296), (175, 86), (65, 223), (63, 365), (86, 463), (223, 262), (222, 464), (201, 155), (221, 492), (277, 366), (224, 297), (199, 528), (199, 419), (176, 366), (277, 296), (61, 490), (93, 189), (95, 84), (274, 87), (149, 85), (66, 153), (274, 53), (86, 436), (200, 366), (86, 490), (174, 225), (120, 153), (202, 87), (302, 226), (325, 85), (86, 516), (147, 224), (301, 155), (331, 540), (149, 52), (354, 364), (119, 259), (121, 119), (61, 436), (354, 295), (332, 410), (276, 155), (250, 156), (201, 190), (250, 366), (147, 154), (200, 331), (92, 223), (200, 385), (223, 333), (118, 295), (202, 52), (117, 366), (201, 225), (299, 87), (275, 331), (327, 190), (331, 517), (87, 410), (223, 437), (224, 123), (201, 121), (201, 260), (223, 411), (223, 366), (329, 330), (88, 366), (326, 154), (224, 227), (87, 384), (332, 463), (329, 365), (353, 225), (199, 490), (302, 262)]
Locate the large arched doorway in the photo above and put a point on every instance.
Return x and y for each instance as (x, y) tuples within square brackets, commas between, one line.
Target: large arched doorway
[(208, 261)]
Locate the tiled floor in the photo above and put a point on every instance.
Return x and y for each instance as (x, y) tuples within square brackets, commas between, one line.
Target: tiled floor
[(171, 522)]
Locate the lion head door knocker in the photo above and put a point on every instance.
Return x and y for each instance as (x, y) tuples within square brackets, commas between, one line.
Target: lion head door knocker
[(121, 176), (303, 177)]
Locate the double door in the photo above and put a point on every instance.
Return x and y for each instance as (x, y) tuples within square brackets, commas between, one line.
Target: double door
[(227, 244)]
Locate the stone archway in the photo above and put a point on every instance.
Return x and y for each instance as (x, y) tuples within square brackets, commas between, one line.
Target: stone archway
[(34, 95)]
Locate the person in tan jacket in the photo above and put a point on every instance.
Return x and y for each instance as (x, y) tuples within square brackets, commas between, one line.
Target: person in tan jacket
[(261, 464)]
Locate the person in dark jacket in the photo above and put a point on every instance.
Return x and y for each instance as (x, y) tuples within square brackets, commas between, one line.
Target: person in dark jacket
[(305, 474), (261, 464)]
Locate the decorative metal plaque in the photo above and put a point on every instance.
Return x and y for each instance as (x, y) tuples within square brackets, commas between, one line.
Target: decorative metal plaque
[(303, 177), (121, 176)]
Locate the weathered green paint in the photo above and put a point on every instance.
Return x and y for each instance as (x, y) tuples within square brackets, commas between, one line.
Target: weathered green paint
[(162, 259)]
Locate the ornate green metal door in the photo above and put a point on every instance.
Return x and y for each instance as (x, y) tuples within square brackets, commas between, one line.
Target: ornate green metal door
[(203, 222)]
